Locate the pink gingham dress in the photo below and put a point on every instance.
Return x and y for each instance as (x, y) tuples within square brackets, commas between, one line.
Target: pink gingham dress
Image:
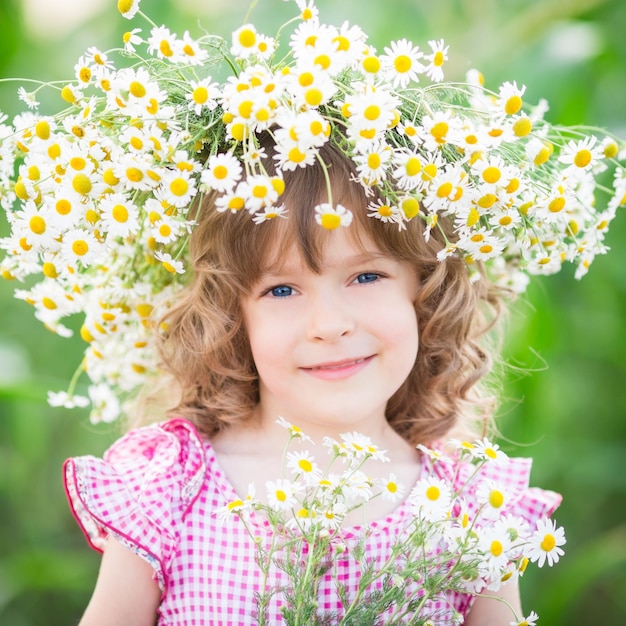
[(156, 490)]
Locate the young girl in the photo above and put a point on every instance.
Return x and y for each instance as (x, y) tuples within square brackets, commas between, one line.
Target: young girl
[(358, 329)]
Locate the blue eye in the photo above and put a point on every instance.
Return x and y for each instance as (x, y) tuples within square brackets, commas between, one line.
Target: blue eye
[(281, 291), (367, 277)]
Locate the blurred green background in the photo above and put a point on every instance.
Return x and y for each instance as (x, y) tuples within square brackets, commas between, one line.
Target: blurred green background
[(564, 403)]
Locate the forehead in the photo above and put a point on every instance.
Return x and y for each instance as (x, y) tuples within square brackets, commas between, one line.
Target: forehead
[(335, 249)]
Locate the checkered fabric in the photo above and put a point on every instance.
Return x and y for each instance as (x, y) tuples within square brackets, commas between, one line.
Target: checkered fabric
[(156, 490)]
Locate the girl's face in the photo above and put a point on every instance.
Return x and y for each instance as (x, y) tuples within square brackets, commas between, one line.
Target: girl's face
[(332, 347)]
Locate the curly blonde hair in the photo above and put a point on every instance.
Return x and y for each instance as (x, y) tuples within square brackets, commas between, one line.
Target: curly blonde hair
[(206, 351)]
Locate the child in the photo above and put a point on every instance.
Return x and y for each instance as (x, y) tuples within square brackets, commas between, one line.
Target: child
[(354, 329), (377, 228)]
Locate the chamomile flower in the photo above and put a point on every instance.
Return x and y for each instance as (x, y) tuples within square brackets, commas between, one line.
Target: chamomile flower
[(270, 213), (295, 432), (203, 95), (106, 405), (493, 499), (362, 446), (222, 173), (485, 449), (436, 58), (178, 187), (244, 41), (62, 398), (128, 8), (170, 264), (582, 155), (391, 489), (531, 620), (80, 247), (331, 217), (509, 99), (546, 542), (401, 63), (190, 51), (120, 216), (131, 39), (382, 210), (258, 191), (281, 494), (302, 464), (431, 499)]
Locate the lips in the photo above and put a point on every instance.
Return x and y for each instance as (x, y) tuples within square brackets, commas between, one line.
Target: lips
[(336, 370)]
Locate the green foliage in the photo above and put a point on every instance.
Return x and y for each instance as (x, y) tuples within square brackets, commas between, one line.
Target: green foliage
[(565, 405)]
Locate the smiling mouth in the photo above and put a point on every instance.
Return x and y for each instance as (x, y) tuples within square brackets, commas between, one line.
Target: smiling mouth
[(338, 370), (338, 365)]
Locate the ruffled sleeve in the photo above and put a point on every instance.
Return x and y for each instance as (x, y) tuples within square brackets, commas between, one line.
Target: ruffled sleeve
[(140, 490), (512, 476)]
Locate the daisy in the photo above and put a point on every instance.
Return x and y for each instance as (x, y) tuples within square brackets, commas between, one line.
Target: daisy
[(64, 399), (545, 543), (131, 39), (223, 172), (485, 449), (169, 263), (120, 216), (332, 517), (178, 188), (166, 230), (361, 446), (531, 620), (401, 63), (391, 489), (162, 42), (582, 155), (203, 95), (191, 52), (270, 213), (81, 246), (303, 464), (437, 58), (244, 41), (372, 165), (386, 213), (408, 169), (106, 405), (431, 499), (128, 8), (493, 499), (509, 99), (295, 432), (494, 544), (330, 217), (258, 191), (281, 494)]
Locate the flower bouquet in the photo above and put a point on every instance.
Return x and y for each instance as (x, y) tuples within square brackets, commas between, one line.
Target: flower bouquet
[(459, 536)]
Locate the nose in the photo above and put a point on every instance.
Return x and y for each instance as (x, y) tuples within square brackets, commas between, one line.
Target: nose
[(330, 317)]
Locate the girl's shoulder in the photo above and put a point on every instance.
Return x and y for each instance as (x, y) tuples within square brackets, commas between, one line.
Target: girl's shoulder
[(140, 490)]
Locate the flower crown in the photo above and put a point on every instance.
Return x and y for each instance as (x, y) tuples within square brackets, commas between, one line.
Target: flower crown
[(101, 196)]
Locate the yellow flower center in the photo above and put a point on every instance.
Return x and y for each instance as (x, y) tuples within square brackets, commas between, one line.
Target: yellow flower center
[(330, 221), (81, 184), (513, 105), (491, 174), (496, 548), (179, 187), (120, 213), (371, 64), (372, 112), (522, 127), (37, 224), (281, 496), (411, 207), (582, 158), (124, 6), (373, 161), (413, 166), (137, 89), (548, 543), (247, 38), (433, 493), (305, 465), (496, 499), (80, 247), (402, 63)]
